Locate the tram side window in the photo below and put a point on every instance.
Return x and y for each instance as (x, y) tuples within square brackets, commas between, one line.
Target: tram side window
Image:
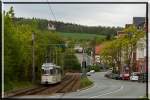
[(58, 71), (42, 71)]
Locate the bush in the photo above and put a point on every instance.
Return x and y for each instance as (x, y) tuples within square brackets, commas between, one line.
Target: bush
[(96, 68), (71, 62), (18, 47), (17, 85), (85, 82)]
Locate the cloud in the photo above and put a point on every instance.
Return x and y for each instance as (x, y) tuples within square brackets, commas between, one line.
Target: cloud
[(88, 14)]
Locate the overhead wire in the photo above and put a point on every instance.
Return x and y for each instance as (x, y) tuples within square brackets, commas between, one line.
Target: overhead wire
[(51, 10)]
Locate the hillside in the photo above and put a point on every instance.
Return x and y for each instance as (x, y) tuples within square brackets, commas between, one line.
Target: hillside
[(70, 27), (81, 36)]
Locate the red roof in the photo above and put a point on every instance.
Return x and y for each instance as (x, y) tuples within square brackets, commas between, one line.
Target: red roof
[(120, 33), (98, 49)]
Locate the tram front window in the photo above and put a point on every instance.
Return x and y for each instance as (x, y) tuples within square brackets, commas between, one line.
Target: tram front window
[(45, 71), (52, 71)]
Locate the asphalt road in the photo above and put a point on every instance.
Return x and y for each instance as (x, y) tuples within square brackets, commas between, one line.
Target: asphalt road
[(104, 88)]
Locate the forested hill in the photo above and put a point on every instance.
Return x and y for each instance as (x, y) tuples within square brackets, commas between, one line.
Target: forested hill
[(72, 28)]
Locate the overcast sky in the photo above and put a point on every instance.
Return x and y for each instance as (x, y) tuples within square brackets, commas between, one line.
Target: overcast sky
[(84, 14)]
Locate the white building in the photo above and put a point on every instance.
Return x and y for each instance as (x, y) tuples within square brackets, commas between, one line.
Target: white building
[(141, 55), (141, 48), (51, 26)]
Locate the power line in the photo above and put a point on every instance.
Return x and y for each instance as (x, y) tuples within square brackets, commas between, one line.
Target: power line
[(51, 11)]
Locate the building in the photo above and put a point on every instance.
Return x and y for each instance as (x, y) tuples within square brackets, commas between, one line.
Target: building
[(140, 23), (120, 34), (51, 26), (78, 48), (141, 55), (98, 49), (128, 25)]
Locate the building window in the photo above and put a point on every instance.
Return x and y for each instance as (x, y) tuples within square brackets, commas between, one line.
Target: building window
[(142, 52)]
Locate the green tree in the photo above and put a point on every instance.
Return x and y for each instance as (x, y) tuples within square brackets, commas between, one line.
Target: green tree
[(123, 46), (18, 49)]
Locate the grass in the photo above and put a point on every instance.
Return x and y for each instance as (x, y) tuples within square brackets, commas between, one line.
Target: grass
[(11, 86), (80, 36), (84, 82)]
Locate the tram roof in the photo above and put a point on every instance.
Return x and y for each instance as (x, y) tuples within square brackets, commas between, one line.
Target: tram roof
[(49, 66)]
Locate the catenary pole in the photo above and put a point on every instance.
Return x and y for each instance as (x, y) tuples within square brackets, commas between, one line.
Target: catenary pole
[(33, 58)]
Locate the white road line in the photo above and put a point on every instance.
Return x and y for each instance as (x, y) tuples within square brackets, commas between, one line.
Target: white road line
[(108, 92)]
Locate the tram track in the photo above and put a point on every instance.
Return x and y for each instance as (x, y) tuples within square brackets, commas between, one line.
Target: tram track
[(22, 92), (76, 84), (66, 85), (56, 87)]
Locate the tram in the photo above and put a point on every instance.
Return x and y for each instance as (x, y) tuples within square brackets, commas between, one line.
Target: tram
[(51, 73)]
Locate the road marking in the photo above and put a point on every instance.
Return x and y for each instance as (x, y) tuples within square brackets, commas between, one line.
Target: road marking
[(108, 92)]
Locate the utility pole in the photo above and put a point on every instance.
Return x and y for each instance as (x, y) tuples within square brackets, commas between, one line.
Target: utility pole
[(33, 58), (62, 59), (56, 56), (84, 63), (94, 44)]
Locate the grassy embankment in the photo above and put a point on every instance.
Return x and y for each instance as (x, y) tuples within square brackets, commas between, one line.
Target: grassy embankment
[(85, 82), (17, 85)]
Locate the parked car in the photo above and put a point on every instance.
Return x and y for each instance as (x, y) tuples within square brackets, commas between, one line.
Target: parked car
[(78, 49), (142, 77), (92, 71), (88, 73), (115, 76), (134, 76), (108, 74), (125, 76)]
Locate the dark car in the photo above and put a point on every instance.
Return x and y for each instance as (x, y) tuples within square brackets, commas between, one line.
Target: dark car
[(116, 76), (108, 74), (142, 77)]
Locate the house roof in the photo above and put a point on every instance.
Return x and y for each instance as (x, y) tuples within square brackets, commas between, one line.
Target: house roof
[(139, 21), (120, 33), (127, 25), (98, 49)]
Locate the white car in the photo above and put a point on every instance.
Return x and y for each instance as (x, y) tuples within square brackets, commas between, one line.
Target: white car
[(134, 76), (92, 71), (88, 73)]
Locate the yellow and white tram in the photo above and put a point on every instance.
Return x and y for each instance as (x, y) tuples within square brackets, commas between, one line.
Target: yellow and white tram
[(51, 73)]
